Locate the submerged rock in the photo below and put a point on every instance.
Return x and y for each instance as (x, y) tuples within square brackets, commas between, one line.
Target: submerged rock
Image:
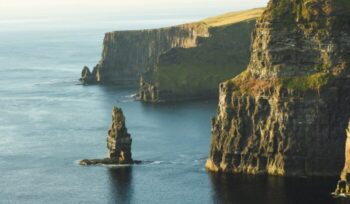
[(118, 142), (288, 112)]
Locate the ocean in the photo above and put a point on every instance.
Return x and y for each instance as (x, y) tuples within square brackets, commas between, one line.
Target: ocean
[(48, 122)]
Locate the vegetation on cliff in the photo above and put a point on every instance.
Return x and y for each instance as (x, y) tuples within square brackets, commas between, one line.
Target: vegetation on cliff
[(128, 54), (196, 72), (287, 113)]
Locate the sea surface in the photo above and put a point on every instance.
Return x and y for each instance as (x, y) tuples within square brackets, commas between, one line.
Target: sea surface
[(48, 123)]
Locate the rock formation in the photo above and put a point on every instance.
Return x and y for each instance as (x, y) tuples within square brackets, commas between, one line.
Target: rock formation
[(288, 112), (343, 187), (128, 54), (195, 73), (87, 77), (118, 142)]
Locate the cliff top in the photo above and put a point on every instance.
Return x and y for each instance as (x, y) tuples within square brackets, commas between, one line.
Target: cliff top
[(233, 17), (216, 21), (299, 44)]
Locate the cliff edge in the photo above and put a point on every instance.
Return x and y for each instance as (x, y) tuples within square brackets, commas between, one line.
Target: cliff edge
[(287, 113), (195, 73), (128, 54)]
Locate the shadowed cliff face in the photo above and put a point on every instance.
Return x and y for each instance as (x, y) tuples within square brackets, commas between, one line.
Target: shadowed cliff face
[(196, 72), (127, 54), (288, 112)]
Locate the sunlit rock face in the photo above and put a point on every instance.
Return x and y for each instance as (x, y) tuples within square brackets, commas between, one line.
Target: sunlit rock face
[(343, 187), (119, 140), (288, 112)]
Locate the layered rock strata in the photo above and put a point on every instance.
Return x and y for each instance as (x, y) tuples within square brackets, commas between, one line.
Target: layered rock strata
[(288, 112), (129, 54), (118, 142), (195, 73)]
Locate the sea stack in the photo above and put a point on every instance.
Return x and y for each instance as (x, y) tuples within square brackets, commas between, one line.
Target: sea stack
[(287, 114), (343, 187), (88, 77), (118, 142)]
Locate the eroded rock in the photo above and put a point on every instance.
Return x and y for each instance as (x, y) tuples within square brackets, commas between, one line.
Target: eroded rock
[(88, 77), (195, 73), (128, 54), (343, 186), (287, 113), (118, 143)]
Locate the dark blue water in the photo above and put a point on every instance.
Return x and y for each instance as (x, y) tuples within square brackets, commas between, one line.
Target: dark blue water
[(48, 123)]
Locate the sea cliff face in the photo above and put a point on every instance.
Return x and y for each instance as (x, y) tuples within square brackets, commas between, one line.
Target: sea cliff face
[(288, 112), (194, 73), (128, 54), (157, 54)]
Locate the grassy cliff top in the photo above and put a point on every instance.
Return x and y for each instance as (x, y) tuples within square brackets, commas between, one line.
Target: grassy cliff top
[(216, 21), (233, 17)]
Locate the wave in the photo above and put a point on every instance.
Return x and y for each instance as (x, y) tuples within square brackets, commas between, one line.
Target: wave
[(131, 96)]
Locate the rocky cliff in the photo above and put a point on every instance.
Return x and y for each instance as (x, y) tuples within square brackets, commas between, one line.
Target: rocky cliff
[(190, 73), (128, 54), (118, 142), (288, 112)]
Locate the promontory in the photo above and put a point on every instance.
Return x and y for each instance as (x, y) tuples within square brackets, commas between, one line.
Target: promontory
[(288, 112), (177, 63)]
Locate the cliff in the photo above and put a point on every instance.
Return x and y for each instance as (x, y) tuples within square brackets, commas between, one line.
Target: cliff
[(128, 54), (288, 112), (118, 142), (190, 73)]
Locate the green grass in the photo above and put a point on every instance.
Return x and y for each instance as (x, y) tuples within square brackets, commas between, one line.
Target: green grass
[(314, 81), (218, 58)]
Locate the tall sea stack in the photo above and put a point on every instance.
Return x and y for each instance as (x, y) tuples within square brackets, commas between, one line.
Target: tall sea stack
[(118, 142), (287, 114), (343, 186)]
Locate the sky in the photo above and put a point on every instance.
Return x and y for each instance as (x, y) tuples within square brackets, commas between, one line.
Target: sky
[(69, 12)]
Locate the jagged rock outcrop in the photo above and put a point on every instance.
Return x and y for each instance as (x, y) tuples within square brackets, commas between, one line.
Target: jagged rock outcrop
[(87, 77), (118, 142), (343, 187), (128, 54), (195, 73), (288, 112)]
